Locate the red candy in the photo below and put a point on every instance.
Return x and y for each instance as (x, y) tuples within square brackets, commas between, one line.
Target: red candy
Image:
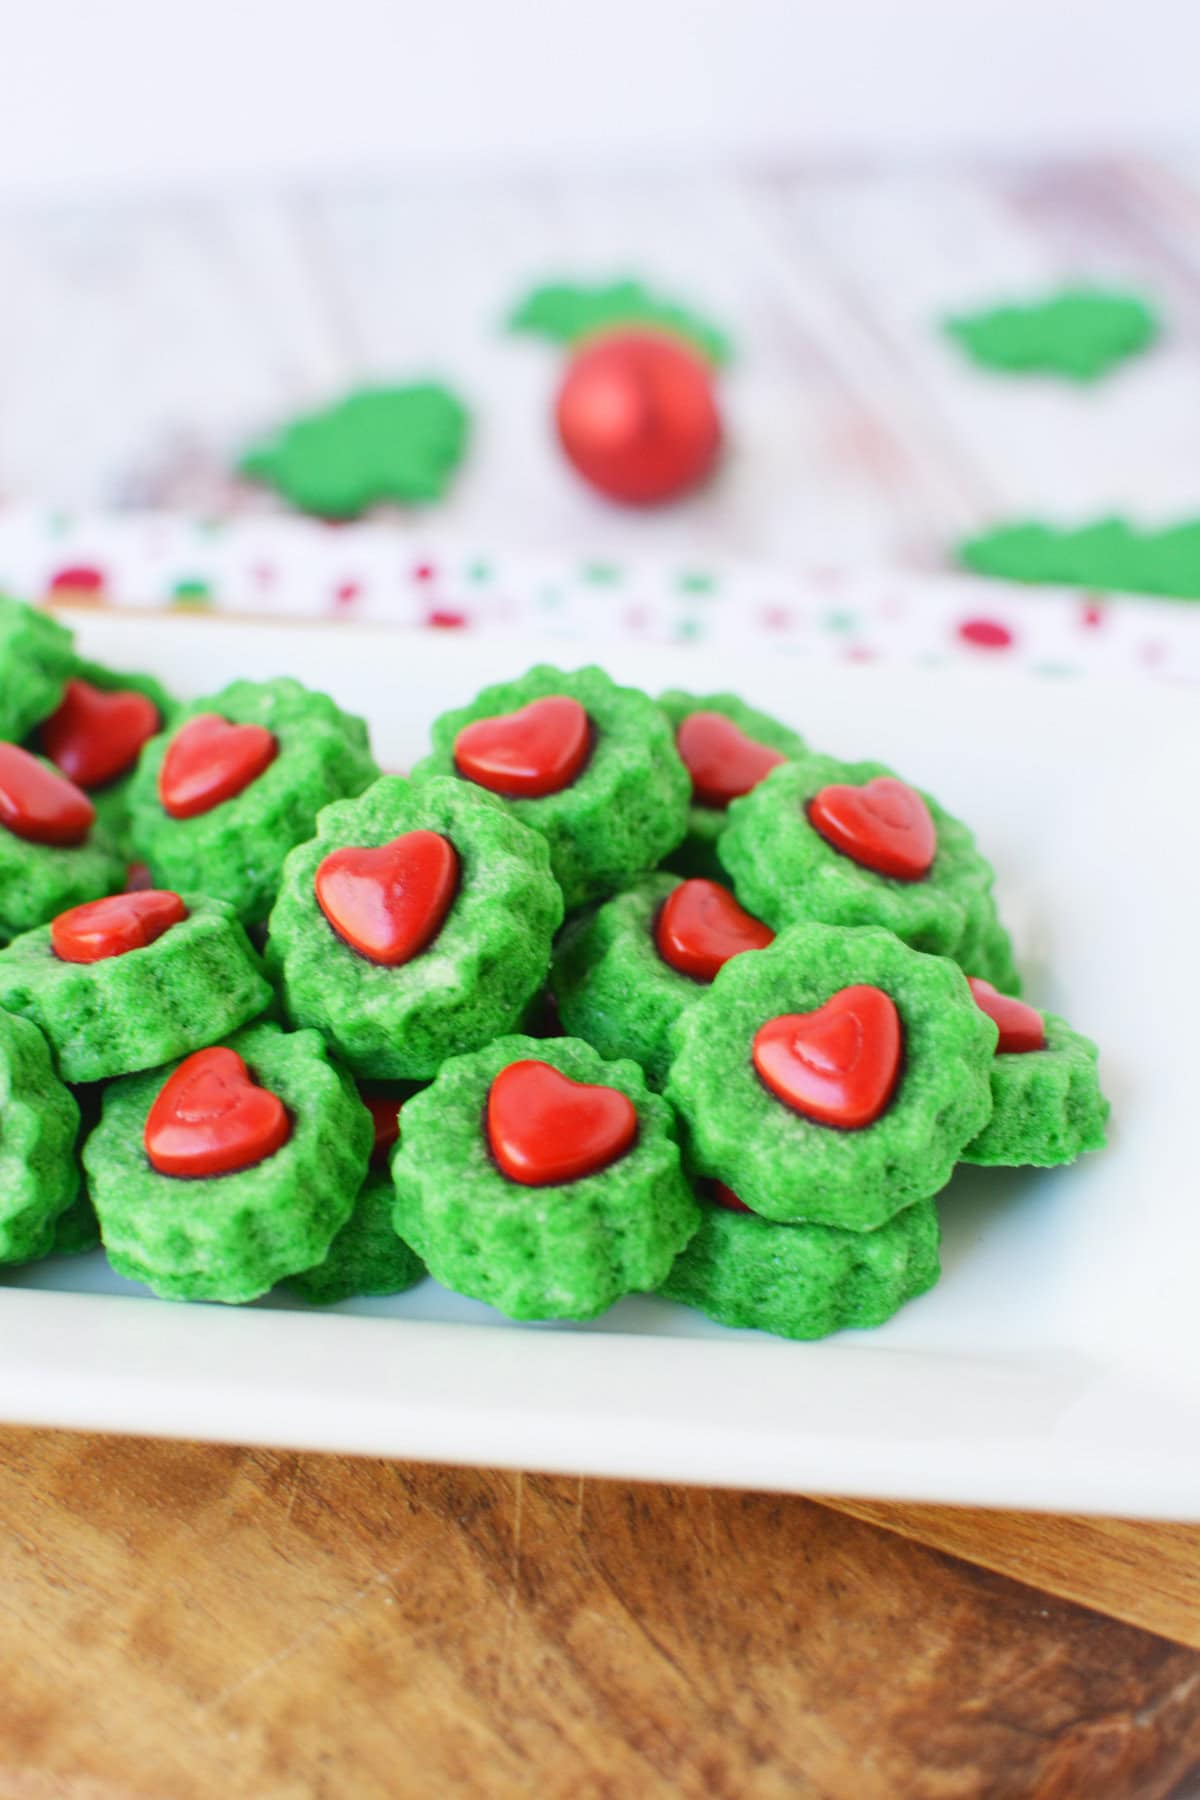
[(544, 1128), (40, 805), (112, 927), (885, 826), (701, 926), (538, 750), (95, 736), (385, 1116), (389, 903), (637, 418), (1021, 1026), (721, 760), (837, 1065), (211, 1118), (725, 1196), (209, 761)]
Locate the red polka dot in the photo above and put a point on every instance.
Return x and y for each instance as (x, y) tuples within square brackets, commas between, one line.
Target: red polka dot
[(347, 592), (81, 578), (1092, 616), (442, 618), (985, 634), (776, 618), (424, 572), (264, 573), (859, 653)]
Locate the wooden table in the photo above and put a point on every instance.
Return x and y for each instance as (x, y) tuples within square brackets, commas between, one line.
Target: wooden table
[(185, 1620)]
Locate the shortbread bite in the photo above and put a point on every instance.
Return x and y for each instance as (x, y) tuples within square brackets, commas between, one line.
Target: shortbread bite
[(804, 1281), (39, 1122), (612, 987), (475, 979), (627, 807), (235, 851), (111, 800), (197, 982), (555, 1252), (38, 881), (231, 1237), (1047, 1104), (786, 872), (366, 1256), (36, 659), (697, 853), (789, 1167)]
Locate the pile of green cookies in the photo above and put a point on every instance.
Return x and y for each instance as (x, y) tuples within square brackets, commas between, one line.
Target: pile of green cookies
[(611, 995)]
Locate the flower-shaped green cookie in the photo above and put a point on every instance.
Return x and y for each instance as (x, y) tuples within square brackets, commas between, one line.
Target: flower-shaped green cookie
[(786, 870), (728, 748), (39, 1120), (1047, 1104), (804, 1281), (833, 1078), (601, 1207), (985, 949), (170, 975), (416, 925), (217, 802), (230, 1236), (96, 734), (590, 765), (623, 974), (53, 851), (36, 656), (366, 1256), (78, 1229)]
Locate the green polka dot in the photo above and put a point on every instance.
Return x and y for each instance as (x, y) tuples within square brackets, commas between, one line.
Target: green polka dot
[(698, 581), (479, 571), (191, 590), (839, 621), (599, 574)]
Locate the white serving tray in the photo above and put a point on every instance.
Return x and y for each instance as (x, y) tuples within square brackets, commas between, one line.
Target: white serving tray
[(1057, 1364)]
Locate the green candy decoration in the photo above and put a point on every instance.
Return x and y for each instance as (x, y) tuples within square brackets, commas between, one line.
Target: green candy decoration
[(1109, 555), (1080, 333), (567, 313)]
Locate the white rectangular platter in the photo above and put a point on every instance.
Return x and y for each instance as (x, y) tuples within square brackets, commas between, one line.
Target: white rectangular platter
[(1056, 1365)]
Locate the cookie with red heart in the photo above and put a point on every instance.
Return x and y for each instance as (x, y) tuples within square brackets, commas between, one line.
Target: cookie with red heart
[(834, 1077), (624, 973), (417, 924), (97, 732), (39, 1122), (132, 980), (543, 1179), (589, 765), (53, 851), (727, 748), (1047, 1104), (36, 660), (216, 1177), (236, 781)]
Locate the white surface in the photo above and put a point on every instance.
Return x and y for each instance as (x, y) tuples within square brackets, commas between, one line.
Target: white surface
[(1057, 1364), (136, 92)]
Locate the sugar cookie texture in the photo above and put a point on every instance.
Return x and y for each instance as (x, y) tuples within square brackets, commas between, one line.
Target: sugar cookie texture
[(624, 811), (1108, 555), (475, 979), (235, 851), (190, 987), (37, 881), (697, 853), (804, 1281), (373, 445), (787, 1166), (366, 1256), (36, 658), (1080, 333), (567, 313), (555, 1252), (39, 1122), (231, 1237), (1047, 1104)]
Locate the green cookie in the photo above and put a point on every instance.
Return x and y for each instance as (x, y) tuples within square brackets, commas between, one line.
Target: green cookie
[(38, 881), (697, 853), (1047, 1104), (36, 658), (39, 1121), (366, 1256)]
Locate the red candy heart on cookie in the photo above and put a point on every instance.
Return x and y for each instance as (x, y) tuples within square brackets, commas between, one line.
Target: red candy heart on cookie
[(701, 926), (885, 826), (212, 1118), (544, 1128), (389, 903), (209, 761), (40, 805), (538, 750), (721, 760), (837, 1065), (112, 927), (1021, 1027), (95, 736)]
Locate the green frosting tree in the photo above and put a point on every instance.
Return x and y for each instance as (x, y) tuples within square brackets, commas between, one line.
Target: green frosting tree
[(1079, 333)]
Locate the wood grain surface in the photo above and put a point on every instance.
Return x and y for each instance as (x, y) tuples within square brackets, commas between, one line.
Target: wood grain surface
[(188, 1621)]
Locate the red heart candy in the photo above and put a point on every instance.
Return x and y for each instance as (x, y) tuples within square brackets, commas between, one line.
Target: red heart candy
[(721, 760), (725, 1196), (389, 903), (837, 1065), (538, 750), (885, 826), (209, 761), (700, 926), (38, 804), (544, 1128), (1021, 1027), (385, 1116), (123, 922), (212, 1118), (95, 736)]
